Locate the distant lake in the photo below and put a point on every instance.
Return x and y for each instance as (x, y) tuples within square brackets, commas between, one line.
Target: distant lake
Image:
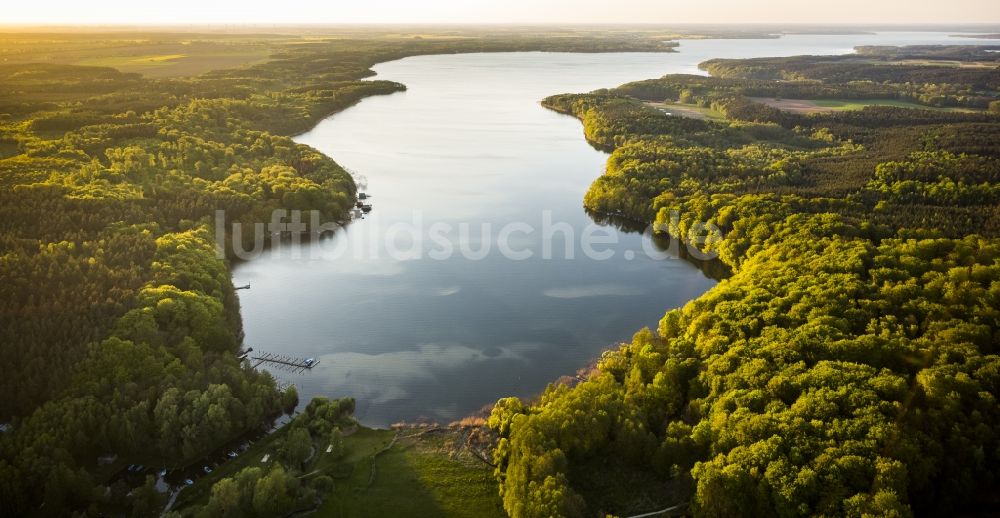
[(468, 145)]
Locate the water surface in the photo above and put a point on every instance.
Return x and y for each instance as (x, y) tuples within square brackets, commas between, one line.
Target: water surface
[(468, 143)]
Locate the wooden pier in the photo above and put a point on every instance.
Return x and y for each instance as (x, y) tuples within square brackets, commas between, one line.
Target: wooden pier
[(244, 287), (295, 365)]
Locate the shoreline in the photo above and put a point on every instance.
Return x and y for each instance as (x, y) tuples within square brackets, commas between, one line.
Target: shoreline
[(372, 76)]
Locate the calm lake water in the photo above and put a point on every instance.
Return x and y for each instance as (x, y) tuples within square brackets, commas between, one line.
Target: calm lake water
[(413, 332)]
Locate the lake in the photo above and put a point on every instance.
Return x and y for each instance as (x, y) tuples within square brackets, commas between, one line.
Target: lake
[(459, 288)]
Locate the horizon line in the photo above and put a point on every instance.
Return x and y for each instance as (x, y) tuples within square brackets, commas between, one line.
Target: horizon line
[(995, 25)]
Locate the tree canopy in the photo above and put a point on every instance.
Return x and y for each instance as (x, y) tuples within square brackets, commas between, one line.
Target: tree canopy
[(849, 365)]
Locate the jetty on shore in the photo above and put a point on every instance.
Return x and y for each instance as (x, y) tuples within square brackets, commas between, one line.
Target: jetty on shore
[(295, 365)]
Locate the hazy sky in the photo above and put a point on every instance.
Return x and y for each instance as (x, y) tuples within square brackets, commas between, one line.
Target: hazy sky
[(498, 11)]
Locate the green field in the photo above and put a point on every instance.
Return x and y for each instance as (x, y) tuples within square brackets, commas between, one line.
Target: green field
[(828, 105), (420, 475), (855, 104), (199, 59), (174, 55)]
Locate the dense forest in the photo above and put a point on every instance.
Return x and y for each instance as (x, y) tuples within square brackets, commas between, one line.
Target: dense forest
[(119, 326), (849, 366), (283, 487), (960, 75)]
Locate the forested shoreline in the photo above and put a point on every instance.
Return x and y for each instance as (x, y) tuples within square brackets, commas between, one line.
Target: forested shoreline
[(120, 323), (849, 365)]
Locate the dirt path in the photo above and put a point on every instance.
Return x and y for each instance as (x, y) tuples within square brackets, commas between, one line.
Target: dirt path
[(657, 513), (679, 110), (371, 478)]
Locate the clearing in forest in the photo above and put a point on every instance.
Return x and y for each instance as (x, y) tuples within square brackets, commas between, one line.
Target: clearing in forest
[(829, 105)]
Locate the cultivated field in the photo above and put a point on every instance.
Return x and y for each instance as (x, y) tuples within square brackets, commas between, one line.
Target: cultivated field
[(829, 105), (167, 55)]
